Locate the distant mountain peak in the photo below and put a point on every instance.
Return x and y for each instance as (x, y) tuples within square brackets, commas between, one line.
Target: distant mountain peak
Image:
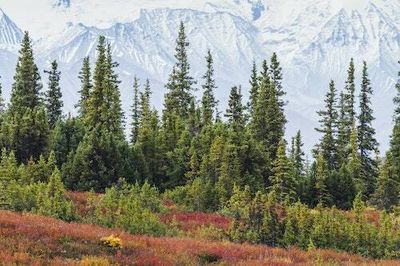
[(10, 34)]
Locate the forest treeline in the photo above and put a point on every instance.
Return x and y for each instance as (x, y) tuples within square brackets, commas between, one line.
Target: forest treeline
[(236, 162)]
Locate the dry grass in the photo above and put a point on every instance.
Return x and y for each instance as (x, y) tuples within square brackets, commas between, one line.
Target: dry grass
[(27, 239)]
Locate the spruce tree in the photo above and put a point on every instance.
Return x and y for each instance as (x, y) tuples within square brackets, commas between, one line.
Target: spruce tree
[(235, 111), (276, 121), (194, 119), (298, 156), (328, 121), (27, 86), (259, 120), (65, 138), (136, 112), (179, 112), (113, 98), (230, 173), (180, 82), (102, 156), (264, 73), (26, 112), (395, 138), (349, 98), (275, 72), (321, 181), (387, 190), (366, 135), (283, 182), (347, 114), (54, 102), (208, 101), (342, 135), (267, 120), (354, 165), (179, 95), (86, 87), (53, 202), (149, 143), (254, 88), (144, 102), (210, 167)]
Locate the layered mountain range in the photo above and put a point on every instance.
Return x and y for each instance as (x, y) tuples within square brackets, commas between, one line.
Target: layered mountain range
[(314, 39)]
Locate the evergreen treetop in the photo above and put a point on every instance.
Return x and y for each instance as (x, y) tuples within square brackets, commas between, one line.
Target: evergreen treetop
[(208, 101), (27, 85), (86, 86), (54, 102)]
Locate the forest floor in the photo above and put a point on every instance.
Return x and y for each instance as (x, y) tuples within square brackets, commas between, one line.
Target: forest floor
[(27, 239)]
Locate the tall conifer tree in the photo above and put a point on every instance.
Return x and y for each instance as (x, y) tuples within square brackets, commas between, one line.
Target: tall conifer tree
[(208, 101), (354, 161), (180, 85), (136, 116), (366, 135), (283, 181), (387, 190), (298, 155), (347, 114), (349, 97), (275, 72), (327, 146), (26, 112), (101, 158), (27, 85), (235, 113), (321, 181), (395, 138), (54, 102), (254, 88), (86, 87)]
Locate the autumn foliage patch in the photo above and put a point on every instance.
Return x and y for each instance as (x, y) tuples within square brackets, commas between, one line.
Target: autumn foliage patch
[(29, 239)]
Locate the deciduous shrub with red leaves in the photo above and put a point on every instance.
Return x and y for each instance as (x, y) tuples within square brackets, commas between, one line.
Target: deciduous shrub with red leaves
[(27, 239)]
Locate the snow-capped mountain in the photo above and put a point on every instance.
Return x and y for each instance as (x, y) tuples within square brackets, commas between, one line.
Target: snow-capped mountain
[(10, 34), (314, 39)]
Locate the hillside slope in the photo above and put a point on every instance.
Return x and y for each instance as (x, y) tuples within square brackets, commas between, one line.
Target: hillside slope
[(34, 240)]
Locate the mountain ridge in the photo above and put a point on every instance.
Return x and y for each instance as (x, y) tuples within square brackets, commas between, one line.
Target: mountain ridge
[(144, 46)]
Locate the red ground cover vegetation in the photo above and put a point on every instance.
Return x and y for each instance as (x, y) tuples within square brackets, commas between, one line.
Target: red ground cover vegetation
[(188, 221), (27, 239)]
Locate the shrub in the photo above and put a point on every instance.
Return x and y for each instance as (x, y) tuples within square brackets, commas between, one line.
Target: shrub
[(112, 242), (197, 195), (132, 208), (210, 233), (94, 261), (52, 200), (260, 221), (206, 258)]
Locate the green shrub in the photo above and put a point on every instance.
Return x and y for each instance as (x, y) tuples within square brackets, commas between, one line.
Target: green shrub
[(195, 196), (132, 208)]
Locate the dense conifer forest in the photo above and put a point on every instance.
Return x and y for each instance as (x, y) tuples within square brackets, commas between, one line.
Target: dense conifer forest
[(237, 163)]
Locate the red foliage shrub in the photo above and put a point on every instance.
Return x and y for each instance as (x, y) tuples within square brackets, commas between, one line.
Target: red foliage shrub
[(34, 240)]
